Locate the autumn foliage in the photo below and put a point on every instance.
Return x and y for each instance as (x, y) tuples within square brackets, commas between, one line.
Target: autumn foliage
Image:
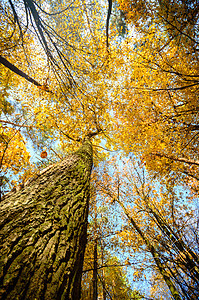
[(138, 99)]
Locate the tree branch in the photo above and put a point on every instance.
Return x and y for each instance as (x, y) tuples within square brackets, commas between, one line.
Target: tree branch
[(180, 159), (107, 21), (14, 124), (17, 71)]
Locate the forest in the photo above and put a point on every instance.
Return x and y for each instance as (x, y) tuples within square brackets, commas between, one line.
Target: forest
[(99, 151)]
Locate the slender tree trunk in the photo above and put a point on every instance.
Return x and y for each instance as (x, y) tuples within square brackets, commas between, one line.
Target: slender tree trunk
[(103, 273), (43, 232), (151, 248), (103, 285), (95, 291)]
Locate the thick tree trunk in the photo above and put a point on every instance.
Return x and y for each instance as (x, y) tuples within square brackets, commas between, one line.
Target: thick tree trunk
[(43, 232)]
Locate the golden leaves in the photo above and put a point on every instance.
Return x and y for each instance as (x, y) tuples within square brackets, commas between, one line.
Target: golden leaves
[(13, 153), (155, 101)]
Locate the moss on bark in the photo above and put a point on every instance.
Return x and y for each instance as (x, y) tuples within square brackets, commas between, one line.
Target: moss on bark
[(43, 232)]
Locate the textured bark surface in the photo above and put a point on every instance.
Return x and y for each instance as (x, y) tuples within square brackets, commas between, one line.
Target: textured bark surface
[(43, 232)]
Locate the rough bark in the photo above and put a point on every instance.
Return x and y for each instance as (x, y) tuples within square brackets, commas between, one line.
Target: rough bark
[(43, 232)]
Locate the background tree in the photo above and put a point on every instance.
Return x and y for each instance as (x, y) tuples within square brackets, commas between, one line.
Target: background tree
[(104, 275), (160, 228)]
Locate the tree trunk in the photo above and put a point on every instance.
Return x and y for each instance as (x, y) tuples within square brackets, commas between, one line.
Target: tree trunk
[(43, 232), (95, 289), (166, 276)]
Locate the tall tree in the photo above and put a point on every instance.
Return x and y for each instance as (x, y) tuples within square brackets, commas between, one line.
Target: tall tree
[(43, 231)]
